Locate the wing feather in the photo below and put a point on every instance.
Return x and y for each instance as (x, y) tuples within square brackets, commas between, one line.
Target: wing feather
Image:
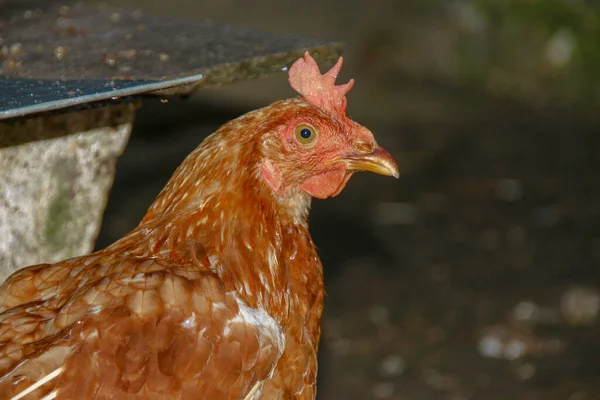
[(140, 329)]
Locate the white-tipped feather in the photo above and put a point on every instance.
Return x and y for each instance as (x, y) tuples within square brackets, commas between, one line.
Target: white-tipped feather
[(41, 383)]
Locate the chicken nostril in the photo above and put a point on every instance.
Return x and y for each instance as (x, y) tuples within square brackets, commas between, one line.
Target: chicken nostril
[(364, 146)]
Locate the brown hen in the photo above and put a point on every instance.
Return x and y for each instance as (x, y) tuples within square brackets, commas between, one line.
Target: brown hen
[(218, 293)]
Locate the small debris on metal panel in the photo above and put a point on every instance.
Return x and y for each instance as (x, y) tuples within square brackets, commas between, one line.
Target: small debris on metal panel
[(87, 41), (92, 32)]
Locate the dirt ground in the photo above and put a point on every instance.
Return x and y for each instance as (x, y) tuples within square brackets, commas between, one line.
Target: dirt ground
[(473, 276)]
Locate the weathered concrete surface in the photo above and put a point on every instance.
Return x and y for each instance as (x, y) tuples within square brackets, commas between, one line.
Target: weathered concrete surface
[(56, 171)]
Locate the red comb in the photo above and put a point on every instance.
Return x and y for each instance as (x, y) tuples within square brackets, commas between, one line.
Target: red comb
[(306, 79)]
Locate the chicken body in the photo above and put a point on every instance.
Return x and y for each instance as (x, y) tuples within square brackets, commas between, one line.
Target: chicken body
[(217, 294)]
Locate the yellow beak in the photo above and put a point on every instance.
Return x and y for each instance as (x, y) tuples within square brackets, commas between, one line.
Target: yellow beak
[(378, 161)]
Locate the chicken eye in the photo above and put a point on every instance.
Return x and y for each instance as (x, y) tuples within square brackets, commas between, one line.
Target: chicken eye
[(305, 134)]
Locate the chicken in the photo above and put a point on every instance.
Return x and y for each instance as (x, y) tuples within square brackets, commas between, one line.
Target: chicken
[(218, 292)]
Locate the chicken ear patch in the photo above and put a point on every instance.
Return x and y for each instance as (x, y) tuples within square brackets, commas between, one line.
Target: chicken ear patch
[(271, 175), (320, 89)]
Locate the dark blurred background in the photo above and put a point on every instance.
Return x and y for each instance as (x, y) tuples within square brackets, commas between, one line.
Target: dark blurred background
[(476, 274)]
